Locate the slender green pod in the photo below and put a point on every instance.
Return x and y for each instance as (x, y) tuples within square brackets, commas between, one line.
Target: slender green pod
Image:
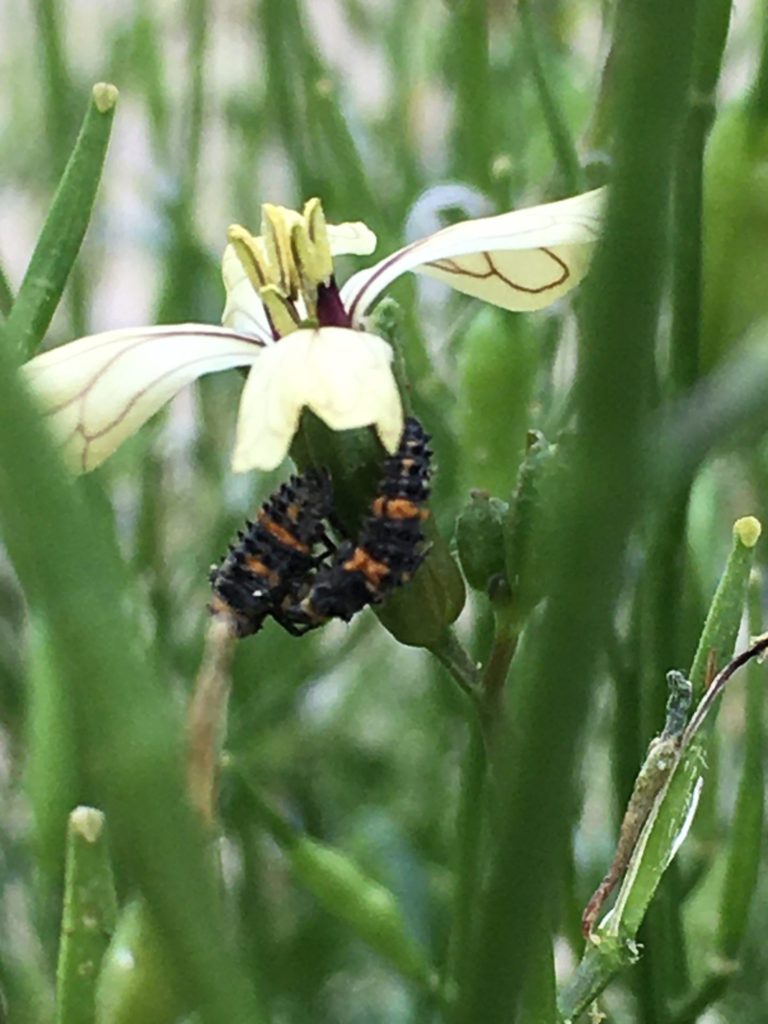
[(497, 364), (670, 818), (345, 891), (64, 228), (90, 914), (612, 945)]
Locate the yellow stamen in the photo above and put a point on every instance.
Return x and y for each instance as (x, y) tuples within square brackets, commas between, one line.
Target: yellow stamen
[(281, 310), (321, 260), (287, 262), (275, 225), (250, 252)]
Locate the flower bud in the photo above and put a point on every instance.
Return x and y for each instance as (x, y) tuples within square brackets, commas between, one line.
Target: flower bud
[(480, 539), (526, 527)]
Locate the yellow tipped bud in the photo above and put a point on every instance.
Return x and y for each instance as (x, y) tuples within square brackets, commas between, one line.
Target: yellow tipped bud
[(747, 531)]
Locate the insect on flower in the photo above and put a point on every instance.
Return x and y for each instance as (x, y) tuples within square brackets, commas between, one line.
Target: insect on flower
[(272, 568), (302, 335)]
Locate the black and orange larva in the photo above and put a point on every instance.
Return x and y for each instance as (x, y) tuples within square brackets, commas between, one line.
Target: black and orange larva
[(390, 547), (262, 567), (272, 569)]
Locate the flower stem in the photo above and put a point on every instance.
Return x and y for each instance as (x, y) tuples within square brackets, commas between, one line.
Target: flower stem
[(506, 636), (454, 657), (469, 848)]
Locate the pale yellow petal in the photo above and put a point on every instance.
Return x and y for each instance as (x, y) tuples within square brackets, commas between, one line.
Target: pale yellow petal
[(271, 404), (522, 260), (98, 391), (343, 376), (350, 383), (351, 239)]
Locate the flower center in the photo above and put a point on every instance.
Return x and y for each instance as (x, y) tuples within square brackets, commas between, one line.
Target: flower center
[(291, 267)]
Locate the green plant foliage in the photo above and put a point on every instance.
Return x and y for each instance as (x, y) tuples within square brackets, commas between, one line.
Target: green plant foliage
[(401, 818)]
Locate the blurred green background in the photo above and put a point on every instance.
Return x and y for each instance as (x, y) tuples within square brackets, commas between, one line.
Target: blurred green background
[(407, 114)]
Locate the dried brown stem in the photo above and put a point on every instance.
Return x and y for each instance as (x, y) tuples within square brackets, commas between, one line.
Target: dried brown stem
[(206, 718)]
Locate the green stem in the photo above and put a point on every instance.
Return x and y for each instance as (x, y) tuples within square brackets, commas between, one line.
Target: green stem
[(6, 294), (746, 833), (598, 967), (60, 114), (64, 228), (731, 399), (758, 101), (538, 1003), (660, 834), (453, 656), (58, 84), (711, 31), (594, 514), (90, 914), (473, 134), (469, 848), (496, 671), (560, 137)]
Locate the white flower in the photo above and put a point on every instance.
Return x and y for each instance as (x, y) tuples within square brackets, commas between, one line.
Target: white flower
[(300, 333)]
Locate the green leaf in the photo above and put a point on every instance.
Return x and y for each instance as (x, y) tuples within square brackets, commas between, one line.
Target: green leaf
[(128, 730)]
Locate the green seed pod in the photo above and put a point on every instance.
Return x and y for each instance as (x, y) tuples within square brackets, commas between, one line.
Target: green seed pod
[(735, 262), (497, 365), (480, 538), (368, 908), (418, 614), (136, 980), (525, 529)]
